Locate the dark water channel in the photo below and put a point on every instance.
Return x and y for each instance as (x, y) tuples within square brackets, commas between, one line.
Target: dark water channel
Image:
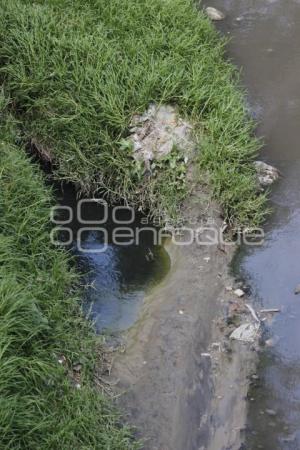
[(119, 263), (266, 44)]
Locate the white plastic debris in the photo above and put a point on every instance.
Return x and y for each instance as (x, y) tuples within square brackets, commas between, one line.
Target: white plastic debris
[(245, 333), (253, 313), (239, 292), (206, 355)]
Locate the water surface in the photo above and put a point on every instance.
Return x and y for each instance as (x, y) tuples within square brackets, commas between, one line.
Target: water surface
[(116, 275), (265, 43)]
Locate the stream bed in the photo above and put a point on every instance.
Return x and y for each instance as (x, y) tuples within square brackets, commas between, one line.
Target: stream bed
[(265, 38)]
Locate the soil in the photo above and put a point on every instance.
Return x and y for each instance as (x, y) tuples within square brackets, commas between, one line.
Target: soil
[(182, 382)]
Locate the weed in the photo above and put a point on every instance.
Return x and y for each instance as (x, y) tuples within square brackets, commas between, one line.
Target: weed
[(78, 70), (40, 320)]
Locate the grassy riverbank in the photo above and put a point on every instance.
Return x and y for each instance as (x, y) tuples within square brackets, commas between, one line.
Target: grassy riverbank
[(75, 72), (40, 321), (78, 70)]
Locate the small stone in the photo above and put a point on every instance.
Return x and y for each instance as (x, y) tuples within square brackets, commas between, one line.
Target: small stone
[(297, 289), (180, 312), (271, 412), (239, 293), (216, 346), (214, 14), (229, 288), (62, 359), (269, 343), (255, 377)]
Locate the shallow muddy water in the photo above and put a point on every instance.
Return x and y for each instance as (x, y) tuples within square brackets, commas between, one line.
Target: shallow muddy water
[(265, 43), (116, 276)]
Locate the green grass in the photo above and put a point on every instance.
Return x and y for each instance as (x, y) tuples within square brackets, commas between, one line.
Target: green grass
[(78, 70), (75, 72), (40, 320)]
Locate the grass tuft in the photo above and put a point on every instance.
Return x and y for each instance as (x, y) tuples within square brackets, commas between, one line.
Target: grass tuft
[(40, 320), (78, 70)]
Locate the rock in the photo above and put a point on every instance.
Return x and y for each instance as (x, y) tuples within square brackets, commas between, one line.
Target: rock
[(216, 346), (214, 14), (266, 174), (269, 343), (271, 412), (246, 332), (239, 292), (255, 377), (297, 289)]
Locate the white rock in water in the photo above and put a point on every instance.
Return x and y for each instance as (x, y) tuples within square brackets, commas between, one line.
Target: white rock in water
[(214, 14), (266, 174), (239, 293), (245, 333)]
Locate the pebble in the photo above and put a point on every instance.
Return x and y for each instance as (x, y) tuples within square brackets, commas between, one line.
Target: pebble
[(266, 174), (214, 14), (239, 293), (269, 343), (255, 377), (270, 412), (297, 289)]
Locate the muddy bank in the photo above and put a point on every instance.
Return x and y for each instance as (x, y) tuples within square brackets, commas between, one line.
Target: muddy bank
[(183, 382)]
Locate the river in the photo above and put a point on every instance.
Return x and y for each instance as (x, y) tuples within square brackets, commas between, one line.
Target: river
[(265, 37)]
